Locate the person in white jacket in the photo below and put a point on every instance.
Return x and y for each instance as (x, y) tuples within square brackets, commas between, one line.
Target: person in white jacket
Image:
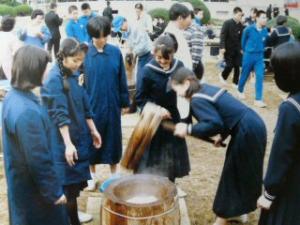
[(9, 44), (180, 19)]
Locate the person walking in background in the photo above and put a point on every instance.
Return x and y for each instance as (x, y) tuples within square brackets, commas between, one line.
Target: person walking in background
[(53, 22), (253, 45), (35, 193), (74, 29), (180, 20), (108, 12), (280, 201), (198, 16), (252, 18), (230, 45), (36, 33), (143, 19), (9, 44), (87, 14), (195, 35), (138, 41), (108, 93)]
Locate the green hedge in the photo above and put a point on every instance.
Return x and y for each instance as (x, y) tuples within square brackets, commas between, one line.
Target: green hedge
[(293, 23), (201, 5), (23, 10), (7, 10), (160, 13), (20, 10), (164, 13)]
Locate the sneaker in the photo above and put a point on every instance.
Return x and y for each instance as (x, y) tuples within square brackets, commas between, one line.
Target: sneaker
[(239, 219), (260, 104), (84, 217), (241, 95), (222, 80), (91, 185)]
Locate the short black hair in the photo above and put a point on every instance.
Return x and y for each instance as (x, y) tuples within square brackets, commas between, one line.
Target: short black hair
[(237, 10), (37, 12), (178, 10), (139, 6), (72, 8), (167, 44), (28, 69), (260, 12), (285, 63), (53, 5), (85, 6), (280, 20), (196, 10), (7, 23), (183, 74), (99, 26)]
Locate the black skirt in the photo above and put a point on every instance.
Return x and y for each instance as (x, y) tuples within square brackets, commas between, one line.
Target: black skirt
[(241, 180), (72, 191), (166, 156)]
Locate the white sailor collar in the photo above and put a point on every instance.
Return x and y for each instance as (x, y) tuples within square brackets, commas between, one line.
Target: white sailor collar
[(157, 68), (210, 98)]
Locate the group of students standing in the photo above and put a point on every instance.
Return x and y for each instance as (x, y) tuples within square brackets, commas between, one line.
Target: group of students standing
[(244, 44), (52, 142)]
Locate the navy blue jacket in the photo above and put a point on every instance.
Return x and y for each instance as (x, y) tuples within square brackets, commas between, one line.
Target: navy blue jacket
[(253, 40), (32, 183), (108, 92), (70, 108), (217, 112), (280, 35)]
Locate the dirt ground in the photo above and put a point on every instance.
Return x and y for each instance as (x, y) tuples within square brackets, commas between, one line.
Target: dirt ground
[(206, 161)]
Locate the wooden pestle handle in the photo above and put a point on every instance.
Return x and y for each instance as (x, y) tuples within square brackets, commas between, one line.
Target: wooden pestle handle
[(170, 126)]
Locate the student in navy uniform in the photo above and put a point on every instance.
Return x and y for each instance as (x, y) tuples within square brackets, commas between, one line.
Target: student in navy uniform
[(85, 18), (108, 92), (35, 194), (280, 202), (281, 33), (218, 113), (167, 154), (74, 29), (72, 124)]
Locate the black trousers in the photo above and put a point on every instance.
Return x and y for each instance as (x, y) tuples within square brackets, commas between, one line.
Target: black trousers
[(53, 43), (233, 61)]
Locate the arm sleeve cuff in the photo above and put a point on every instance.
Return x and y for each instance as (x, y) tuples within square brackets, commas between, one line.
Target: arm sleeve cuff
[(268, 196)]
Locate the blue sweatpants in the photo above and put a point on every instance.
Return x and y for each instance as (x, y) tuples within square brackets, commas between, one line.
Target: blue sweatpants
[(253, 61)]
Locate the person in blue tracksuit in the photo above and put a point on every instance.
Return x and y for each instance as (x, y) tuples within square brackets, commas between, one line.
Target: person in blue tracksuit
[(36, 33), (73, 128), (74, 29), (167, 155), (108, 92), (34, 191), (218, 113), (253, 44), (85, 18), (280, 202)]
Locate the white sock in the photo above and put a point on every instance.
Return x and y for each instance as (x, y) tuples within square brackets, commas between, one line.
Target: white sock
[(93, 175)]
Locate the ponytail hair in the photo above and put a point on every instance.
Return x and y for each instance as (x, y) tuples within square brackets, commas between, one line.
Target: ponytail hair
[(68, 48), (183, 74)]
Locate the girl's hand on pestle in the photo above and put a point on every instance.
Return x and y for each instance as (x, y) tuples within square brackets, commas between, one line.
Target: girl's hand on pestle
[(264, 203), (181, 130), (165, 114), (218, 142), (97, 141), (61, 201)]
